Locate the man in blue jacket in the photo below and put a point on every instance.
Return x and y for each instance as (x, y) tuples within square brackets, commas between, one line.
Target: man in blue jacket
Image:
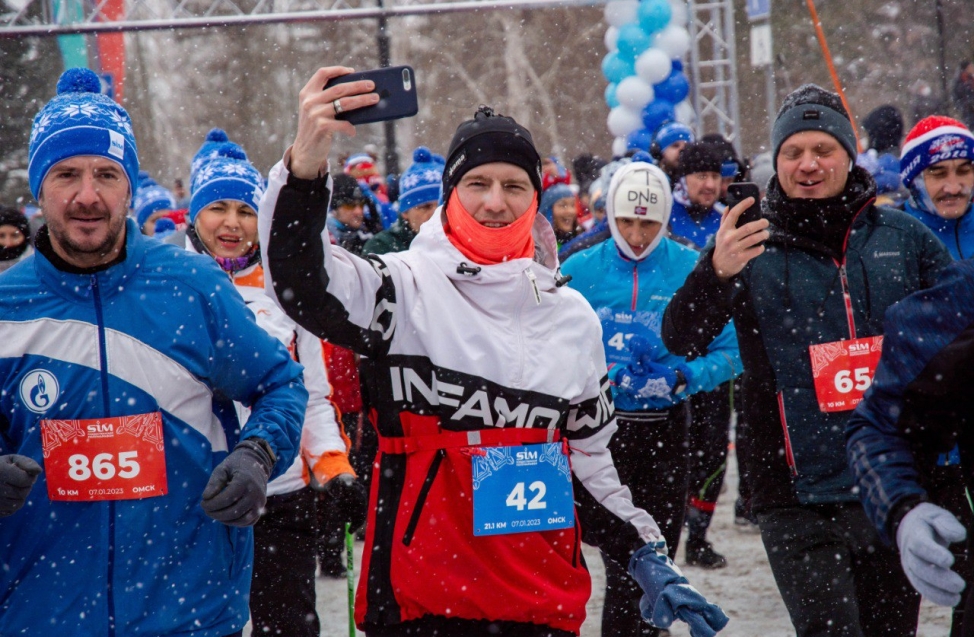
[(628, 280), (918, 408), (119, 361), (936, 166)]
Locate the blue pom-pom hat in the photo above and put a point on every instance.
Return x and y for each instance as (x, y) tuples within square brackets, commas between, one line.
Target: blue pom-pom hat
[(80, 121), (226, 176), (422, 182)]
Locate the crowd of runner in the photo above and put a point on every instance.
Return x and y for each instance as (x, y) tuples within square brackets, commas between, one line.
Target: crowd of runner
[(430, 358)]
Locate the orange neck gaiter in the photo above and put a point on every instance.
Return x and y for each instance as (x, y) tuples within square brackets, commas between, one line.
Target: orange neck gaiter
[(489, 246)]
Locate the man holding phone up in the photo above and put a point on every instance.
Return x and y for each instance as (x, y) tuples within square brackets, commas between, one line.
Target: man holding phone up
[(488, 375), (807, 287)]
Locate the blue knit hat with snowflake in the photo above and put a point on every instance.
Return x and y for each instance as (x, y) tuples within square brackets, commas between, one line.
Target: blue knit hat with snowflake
[(215, 145), (423, 181), (151, 197), (80, 121), (226, 177)]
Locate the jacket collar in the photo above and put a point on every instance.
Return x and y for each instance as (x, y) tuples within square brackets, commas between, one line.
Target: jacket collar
[(110, 281), (820, 224), (433, 243)]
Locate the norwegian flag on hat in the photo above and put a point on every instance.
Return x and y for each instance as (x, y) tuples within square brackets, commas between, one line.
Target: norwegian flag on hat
[(934, 139)]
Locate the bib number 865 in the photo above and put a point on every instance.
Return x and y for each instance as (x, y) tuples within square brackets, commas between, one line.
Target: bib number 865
[(846, 381), (102, 467), (517, 499)]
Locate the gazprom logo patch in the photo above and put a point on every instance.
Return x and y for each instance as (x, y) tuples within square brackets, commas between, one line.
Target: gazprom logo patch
[(116, 144), (39, 390)]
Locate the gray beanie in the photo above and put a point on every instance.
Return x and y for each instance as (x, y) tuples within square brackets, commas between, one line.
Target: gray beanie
[(811, 107)]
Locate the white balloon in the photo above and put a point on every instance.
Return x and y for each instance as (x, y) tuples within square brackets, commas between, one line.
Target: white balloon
[(619, 147), (620, 12), (634, 93), (685, 114), (611, 38), (681, 13), (653, 65), (623, 121), (673, 40)]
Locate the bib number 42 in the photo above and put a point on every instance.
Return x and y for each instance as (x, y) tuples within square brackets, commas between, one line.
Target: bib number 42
[(858, 379), (517, 499), (103, 466)]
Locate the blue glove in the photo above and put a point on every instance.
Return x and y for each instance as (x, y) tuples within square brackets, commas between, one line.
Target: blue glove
[(667, 595), (922, 537), (647, 380), (645, 348)]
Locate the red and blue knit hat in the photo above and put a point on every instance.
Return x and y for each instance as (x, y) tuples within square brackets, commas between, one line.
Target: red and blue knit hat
[(934, 139)]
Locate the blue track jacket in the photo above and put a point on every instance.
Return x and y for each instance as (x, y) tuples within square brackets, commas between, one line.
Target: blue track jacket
[(956, 234), (164, 330), (630, 296)]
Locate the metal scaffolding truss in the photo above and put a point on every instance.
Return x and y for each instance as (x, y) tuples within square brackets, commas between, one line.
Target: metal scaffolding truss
[(45, 17), (713, 67)]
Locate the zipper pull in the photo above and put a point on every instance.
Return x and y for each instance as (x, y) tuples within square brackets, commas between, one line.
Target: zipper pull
[(534, 284)]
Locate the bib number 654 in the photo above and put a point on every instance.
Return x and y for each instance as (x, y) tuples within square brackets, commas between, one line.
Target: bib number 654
[(846, 381), (103, 467)]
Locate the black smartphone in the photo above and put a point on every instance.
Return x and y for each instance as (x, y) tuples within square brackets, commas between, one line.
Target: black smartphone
[(396, 86), (737, 193)]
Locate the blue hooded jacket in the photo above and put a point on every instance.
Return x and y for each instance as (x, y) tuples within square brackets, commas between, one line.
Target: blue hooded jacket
[(629, 295)]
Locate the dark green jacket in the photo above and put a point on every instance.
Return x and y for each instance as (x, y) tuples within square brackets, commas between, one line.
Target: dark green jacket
[(395, 238), (787, 299)]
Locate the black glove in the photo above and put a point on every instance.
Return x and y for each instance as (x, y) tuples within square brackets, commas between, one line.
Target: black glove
[(237, 490), (349, 498), (17, 475)]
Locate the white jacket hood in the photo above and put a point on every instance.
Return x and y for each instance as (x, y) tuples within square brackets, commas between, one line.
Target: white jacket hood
[(617, 178)]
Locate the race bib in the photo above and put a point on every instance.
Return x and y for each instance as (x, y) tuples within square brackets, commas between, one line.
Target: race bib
[(104, 458), (522, 488), (843, 371), (618, 328)]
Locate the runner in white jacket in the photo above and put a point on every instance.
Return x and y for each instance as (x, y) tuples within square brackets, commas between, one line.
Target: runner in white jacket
[(478, 349), (223, 224)]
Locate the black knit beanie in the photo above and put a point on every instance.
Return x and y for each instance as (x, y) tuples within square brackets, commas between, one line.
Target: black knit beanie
[(15, 218), (490, 138), (884, 126), (699, 157), (811, 107), (346, 190)]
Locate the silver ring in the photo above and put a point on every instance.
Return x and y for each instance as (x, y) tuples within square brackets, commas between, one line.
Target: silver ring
[(338, 107)]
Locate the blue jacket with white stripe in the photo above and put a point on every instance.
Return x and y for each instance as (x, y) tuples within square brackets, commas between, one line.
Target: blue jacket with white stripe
[(162, 331)]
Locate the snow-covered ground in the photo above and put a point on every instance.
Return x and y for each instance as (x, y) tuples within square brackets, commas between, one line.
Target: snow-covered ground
[(745, 589)]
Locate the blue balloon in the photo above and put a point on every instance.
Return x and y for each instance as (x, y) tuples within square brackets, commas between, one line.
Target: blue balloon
[(678, 65), (673, 89), (610, 96), (639, 139), (616, 67), (654, 15), (632, 40), (657, 113)]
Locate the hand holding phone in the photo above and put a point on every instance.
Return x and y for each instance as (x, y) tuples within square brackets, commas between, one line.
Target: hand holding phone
[(736, 193), (308, 155), (396, 87), (732, 249)]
